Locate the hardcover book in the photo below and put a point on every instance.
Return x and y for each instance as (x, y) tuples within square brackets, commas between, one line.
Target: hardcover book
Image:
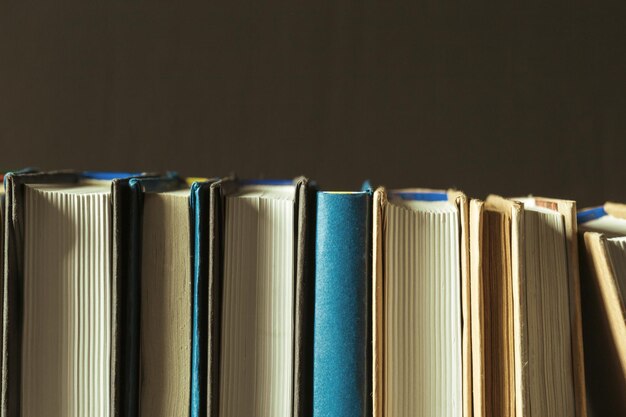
[(342, 314), (603, 279), (525, 308), (161, 239), (260, 320), (63, 272), (422, 361)]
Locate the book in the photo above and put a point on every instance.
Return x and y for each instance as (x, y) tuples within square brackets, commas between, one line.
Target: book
[(59, 300), (210, 241), (162, 225), (134, 294), (421, 361), (342, 313), (603, 280), (125, 297), (204, 259), (527, 357), (265, 327)]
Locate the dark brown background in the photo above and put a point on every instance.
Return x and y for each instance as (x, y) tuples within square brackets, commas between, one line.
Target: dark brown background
[(510, 99)]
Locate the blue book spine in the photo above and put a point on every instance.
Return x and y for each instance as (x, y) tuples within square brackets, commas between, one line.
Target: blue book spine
[(342, 317), (198, 304)]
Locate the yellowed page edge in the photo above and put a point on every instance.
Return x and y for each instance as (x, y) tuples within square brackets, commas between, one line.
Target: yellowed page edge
[(476, 306), (380, 201)]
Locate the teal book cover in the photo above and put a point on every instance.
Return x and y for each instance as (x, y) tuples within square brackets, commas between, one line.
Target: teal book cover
[(342, 316)]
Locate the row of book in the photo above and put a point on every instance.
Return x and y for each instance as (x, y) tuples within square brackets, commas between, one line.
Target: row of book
[(155, 295)]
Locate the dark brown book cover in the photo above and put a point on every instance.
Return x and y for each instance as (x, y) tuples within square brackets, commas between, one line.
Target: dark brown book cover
[(306, 195), (214, 309)]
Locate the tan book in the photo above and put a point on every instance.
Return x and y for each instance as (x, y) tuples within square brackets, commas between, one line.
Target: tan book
[(527, 356), (421, 346), (603, 280)]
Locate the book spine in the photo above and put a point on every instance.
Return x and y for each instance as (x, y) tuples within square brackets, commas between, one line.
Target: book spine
[(342, 345), (125, 300), (214, 290), (199, 206), (305, 278)]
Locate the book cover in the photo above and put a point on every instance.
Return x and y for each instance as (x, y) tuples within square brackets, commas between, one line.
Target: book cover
[(342, 316)]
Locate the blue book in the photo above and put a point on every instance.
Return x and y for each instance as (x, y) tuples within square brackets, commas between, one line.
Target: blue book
[(342, 317)]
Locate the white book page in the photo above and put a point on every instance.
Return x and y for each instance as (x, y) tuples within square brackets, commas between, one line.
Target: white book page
[(67, 302), (258, 304), (422, 310)]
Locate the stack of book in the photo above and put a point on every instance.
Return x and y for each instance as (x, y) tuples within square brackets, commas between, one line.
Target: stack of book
[(155, 295)]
